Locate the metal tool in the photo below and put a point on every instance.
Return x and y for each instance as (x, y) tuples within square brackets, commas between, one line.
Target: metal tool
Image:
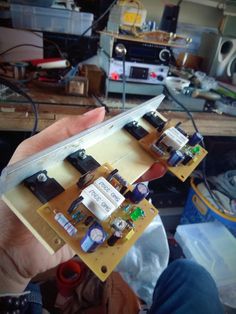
[(199, 93)]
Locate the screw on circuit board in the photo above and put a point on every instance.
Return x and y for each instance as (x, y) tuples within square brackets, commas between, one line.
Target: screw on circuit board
[(42, 177), (82, 154)]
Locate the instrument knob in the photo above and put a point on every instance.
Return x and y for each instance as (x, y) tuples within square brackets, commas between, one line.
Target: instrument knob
[(120, 50), (164, 55), (160, 78)]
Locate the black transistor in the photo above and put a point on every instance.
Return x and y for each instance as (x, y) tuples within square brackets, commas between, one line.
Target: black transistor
[(74, 205), (136, 130), (82, 162), (111, 174), (88, 220), (155, 121), (43, 187)]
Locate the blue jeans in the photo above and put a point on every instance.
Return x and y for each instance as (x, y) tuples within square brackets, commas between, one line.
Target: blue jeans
[(35, 303), (185, 288)]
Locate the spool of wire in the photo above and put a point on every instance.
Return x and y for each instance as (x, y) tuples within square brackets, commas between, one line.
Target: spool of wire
[(69, 275)]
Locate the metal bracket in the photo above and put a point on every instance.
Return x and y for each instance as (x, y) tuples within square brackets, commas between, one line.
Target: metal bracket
[(16, 173)]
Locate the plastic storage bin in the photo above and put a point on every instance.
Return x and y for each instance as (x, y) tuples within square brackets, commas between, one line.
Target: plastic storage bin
[(50, 19), (199, 209), (38, 3), (214, 247)]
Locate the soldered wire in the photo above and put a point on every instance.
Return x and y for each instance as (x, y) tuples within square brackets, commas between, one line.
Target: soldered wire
[(204, 174)]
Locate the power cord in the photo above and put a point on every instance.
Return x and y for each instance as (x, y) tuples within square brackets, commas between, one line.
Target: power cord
[(20, 45), (19, 91), (50, 42), (100, 18), (101, 103), (204, 174), (182, 106), (123, 83)]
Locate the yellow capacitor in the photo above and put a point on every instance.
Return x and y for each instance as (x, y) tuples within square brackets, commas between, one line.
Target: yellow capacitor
[(129, 234)]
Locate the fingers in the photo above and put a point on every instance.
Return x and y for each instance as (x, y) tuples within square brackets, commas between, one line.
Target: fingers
[(156, 171), (68, 126), (57, 132)]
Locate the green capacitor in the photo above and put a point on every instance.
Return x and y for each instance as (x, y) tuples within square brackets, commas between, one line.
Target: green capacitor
[(137, 213), (195, 150)]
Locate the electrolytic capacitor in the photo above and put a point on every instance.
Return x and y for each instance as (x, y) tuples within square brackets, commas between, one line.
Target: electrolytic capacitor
[(139, 193), (187, 159), (114, 238), (64, 222), (176, 157), (94, 237), (195, 139)]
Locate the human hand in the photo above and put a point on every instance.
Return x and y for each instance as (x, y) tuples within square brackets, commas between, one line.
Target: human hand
[(22, 256)]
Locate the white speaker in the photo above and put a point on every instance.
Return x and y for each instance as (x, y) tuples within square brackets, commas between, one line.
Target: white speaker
[(219, 55)]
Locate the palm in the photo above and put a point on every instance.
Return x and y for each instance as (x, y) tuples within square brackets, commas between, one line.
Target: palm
[(22, 255)]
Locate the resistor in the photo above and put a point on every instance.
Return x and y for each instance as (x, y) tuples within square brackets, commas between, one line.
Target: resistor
[(88, 220), (64, 222), (126, 208)]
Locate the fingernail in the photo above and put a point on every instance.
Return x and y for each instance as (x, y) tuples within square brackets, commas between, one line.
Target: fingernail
[(91, 112)]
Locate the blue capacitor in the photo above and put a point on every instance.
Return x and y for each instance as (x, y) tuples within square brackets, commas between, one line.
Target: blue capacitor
[(176, 157), (139, 193), (195, 139), (94, 237)]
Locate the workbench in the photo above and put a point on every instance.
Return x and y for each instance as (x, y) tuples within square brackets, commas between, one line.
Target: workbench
[(16, 114)]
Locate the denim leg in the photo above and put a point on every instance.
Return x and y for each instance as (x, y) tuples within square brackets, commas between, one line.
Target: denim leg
[(185, 287), (35, 302)]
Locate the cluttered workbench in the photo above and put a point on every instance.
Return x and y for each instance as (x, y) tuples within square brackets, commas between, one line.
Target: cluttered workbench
[(16, 114), (83, 190)]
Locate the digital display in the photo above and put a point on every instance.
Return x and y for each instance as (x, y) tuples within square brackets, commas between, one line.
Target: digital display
[(141, 52), (138, 73)]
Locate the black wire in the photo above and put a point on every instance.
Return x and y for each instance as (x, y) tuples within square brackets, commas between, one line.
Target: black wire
[(185, 109), (204, 174), (101, 103), (18, 90), (179, 2), (124, 83), (99, 19), (20, 45), (50, 41)]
